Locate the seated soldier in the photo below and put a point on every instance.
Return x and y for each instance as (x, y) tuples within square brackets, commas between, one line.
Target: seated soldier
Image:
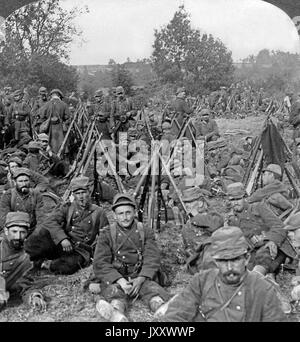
[(67, 236), (206, 128), (32, 160), (22, 198), (196, 203), (273, 193), (15, 263), (37, 181), (127, 262), (229, 292)]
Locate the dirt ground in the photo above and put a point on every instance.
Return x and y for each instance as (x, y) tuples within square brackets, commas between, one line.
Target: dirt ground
[(69, 302)]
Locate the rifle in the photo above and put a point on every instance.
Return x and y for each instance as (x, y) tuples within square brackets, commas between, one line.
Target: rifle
[(67, 134)]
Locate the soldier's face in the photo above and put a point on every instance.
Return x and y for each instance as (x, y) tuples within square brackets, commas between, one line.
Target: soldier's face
[(268, 178), (125, 215), (23, 184), (231, 271), (82, 197), (16, 236)]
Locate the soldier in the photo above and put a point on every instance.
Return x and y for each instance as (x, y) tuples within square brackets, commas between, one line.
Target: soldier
[(22, 198), (18, 119), (194, 232), (127, 261), (180, 106), (37, 181), (121, 110), (262, 229), (294, 118), (39, 103), (206, 128), (67, 236), (273, 193), (55, 115), (32, 160), (229, 292), (15, 263)]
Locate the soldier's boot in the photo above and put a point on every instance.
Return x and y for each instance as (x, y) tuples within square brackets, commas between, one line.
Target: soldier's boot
[(160, 309), (109, 311)]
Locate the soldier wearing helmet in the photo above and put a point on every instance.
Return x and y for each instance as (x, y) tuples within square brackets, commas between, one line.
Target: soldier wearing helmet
[(121, 111), (41, 100)]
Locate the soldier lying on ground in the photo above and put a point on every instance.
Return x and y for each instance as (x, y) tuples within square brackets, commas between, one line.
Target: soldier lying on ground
[(67, 236), (15, 264), (22, 198), (127, 263), (229, 292), (273, 193)]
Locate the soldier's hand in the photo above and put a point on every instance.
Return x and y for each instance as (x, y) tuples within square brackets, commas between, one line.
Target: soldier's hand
[(66, 246), (126, 286), (136, 286), (272, 248)]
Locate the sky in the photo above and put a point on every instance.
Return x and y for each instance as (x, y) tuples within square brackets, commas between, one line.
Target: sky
[(119, 29)]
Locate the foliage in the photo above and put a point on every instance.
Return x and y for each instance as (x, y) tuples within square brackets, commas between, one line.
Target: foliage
[(275, 71), (120, 76), (37, 45), (182, 55)]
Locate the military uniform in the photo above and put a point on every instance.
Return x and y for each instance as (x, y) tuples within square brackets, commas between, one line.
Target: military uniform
[(80, 226), (294, 118), (130, 260), (212, 297), (15, 264), (37, 119), (207, 129)]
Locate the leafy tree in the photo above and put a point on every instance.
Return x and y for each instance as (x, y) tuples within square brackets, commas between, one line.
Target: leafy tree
[(184, 56), (120, 76), (38, 37)]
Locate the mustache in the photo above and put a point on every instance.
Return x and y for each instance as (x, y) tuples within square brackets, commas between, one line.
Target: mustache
[(229, 273)]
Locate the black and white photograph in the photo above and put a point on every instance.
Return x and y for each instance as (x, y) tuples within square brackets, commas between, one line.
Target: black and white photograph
[(149, 163)]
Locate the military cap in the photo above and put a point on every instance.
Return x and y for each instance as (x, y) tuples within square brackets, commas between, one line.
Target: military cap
[(18, 218), (180, 90), (211, 220), (43, 137), (119, 90), (34, 145), (293, 222), (15, 159), (21, 171), (236, 190), (80, 183), (98, 92), (42, 90), (123, 199), (58, 92), (274, 168), (18, 92), (228, 243), (193, 194)]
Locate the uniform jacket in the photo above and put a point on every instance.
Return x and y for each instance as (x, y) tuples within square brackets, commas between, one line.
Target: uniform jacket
[(31, 203), (203, 129), (181, 108), (104, 268), (294, 118), (82, 229), (15, 266), (258, 219), (260, 300), (274, 194)]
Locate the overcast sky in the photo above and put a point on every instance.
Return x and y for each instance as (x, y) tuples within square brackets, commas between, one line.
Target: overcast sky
[(119, 29)]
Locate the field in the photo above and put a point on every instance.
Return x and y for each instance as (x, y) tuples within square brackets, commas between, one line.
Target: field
[(69, 302)]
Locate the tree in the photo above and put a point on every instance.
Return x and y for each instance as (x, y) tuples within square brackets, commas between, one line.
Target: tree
[(183, 56), (37, 45), (120, 76), (43, 28)]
